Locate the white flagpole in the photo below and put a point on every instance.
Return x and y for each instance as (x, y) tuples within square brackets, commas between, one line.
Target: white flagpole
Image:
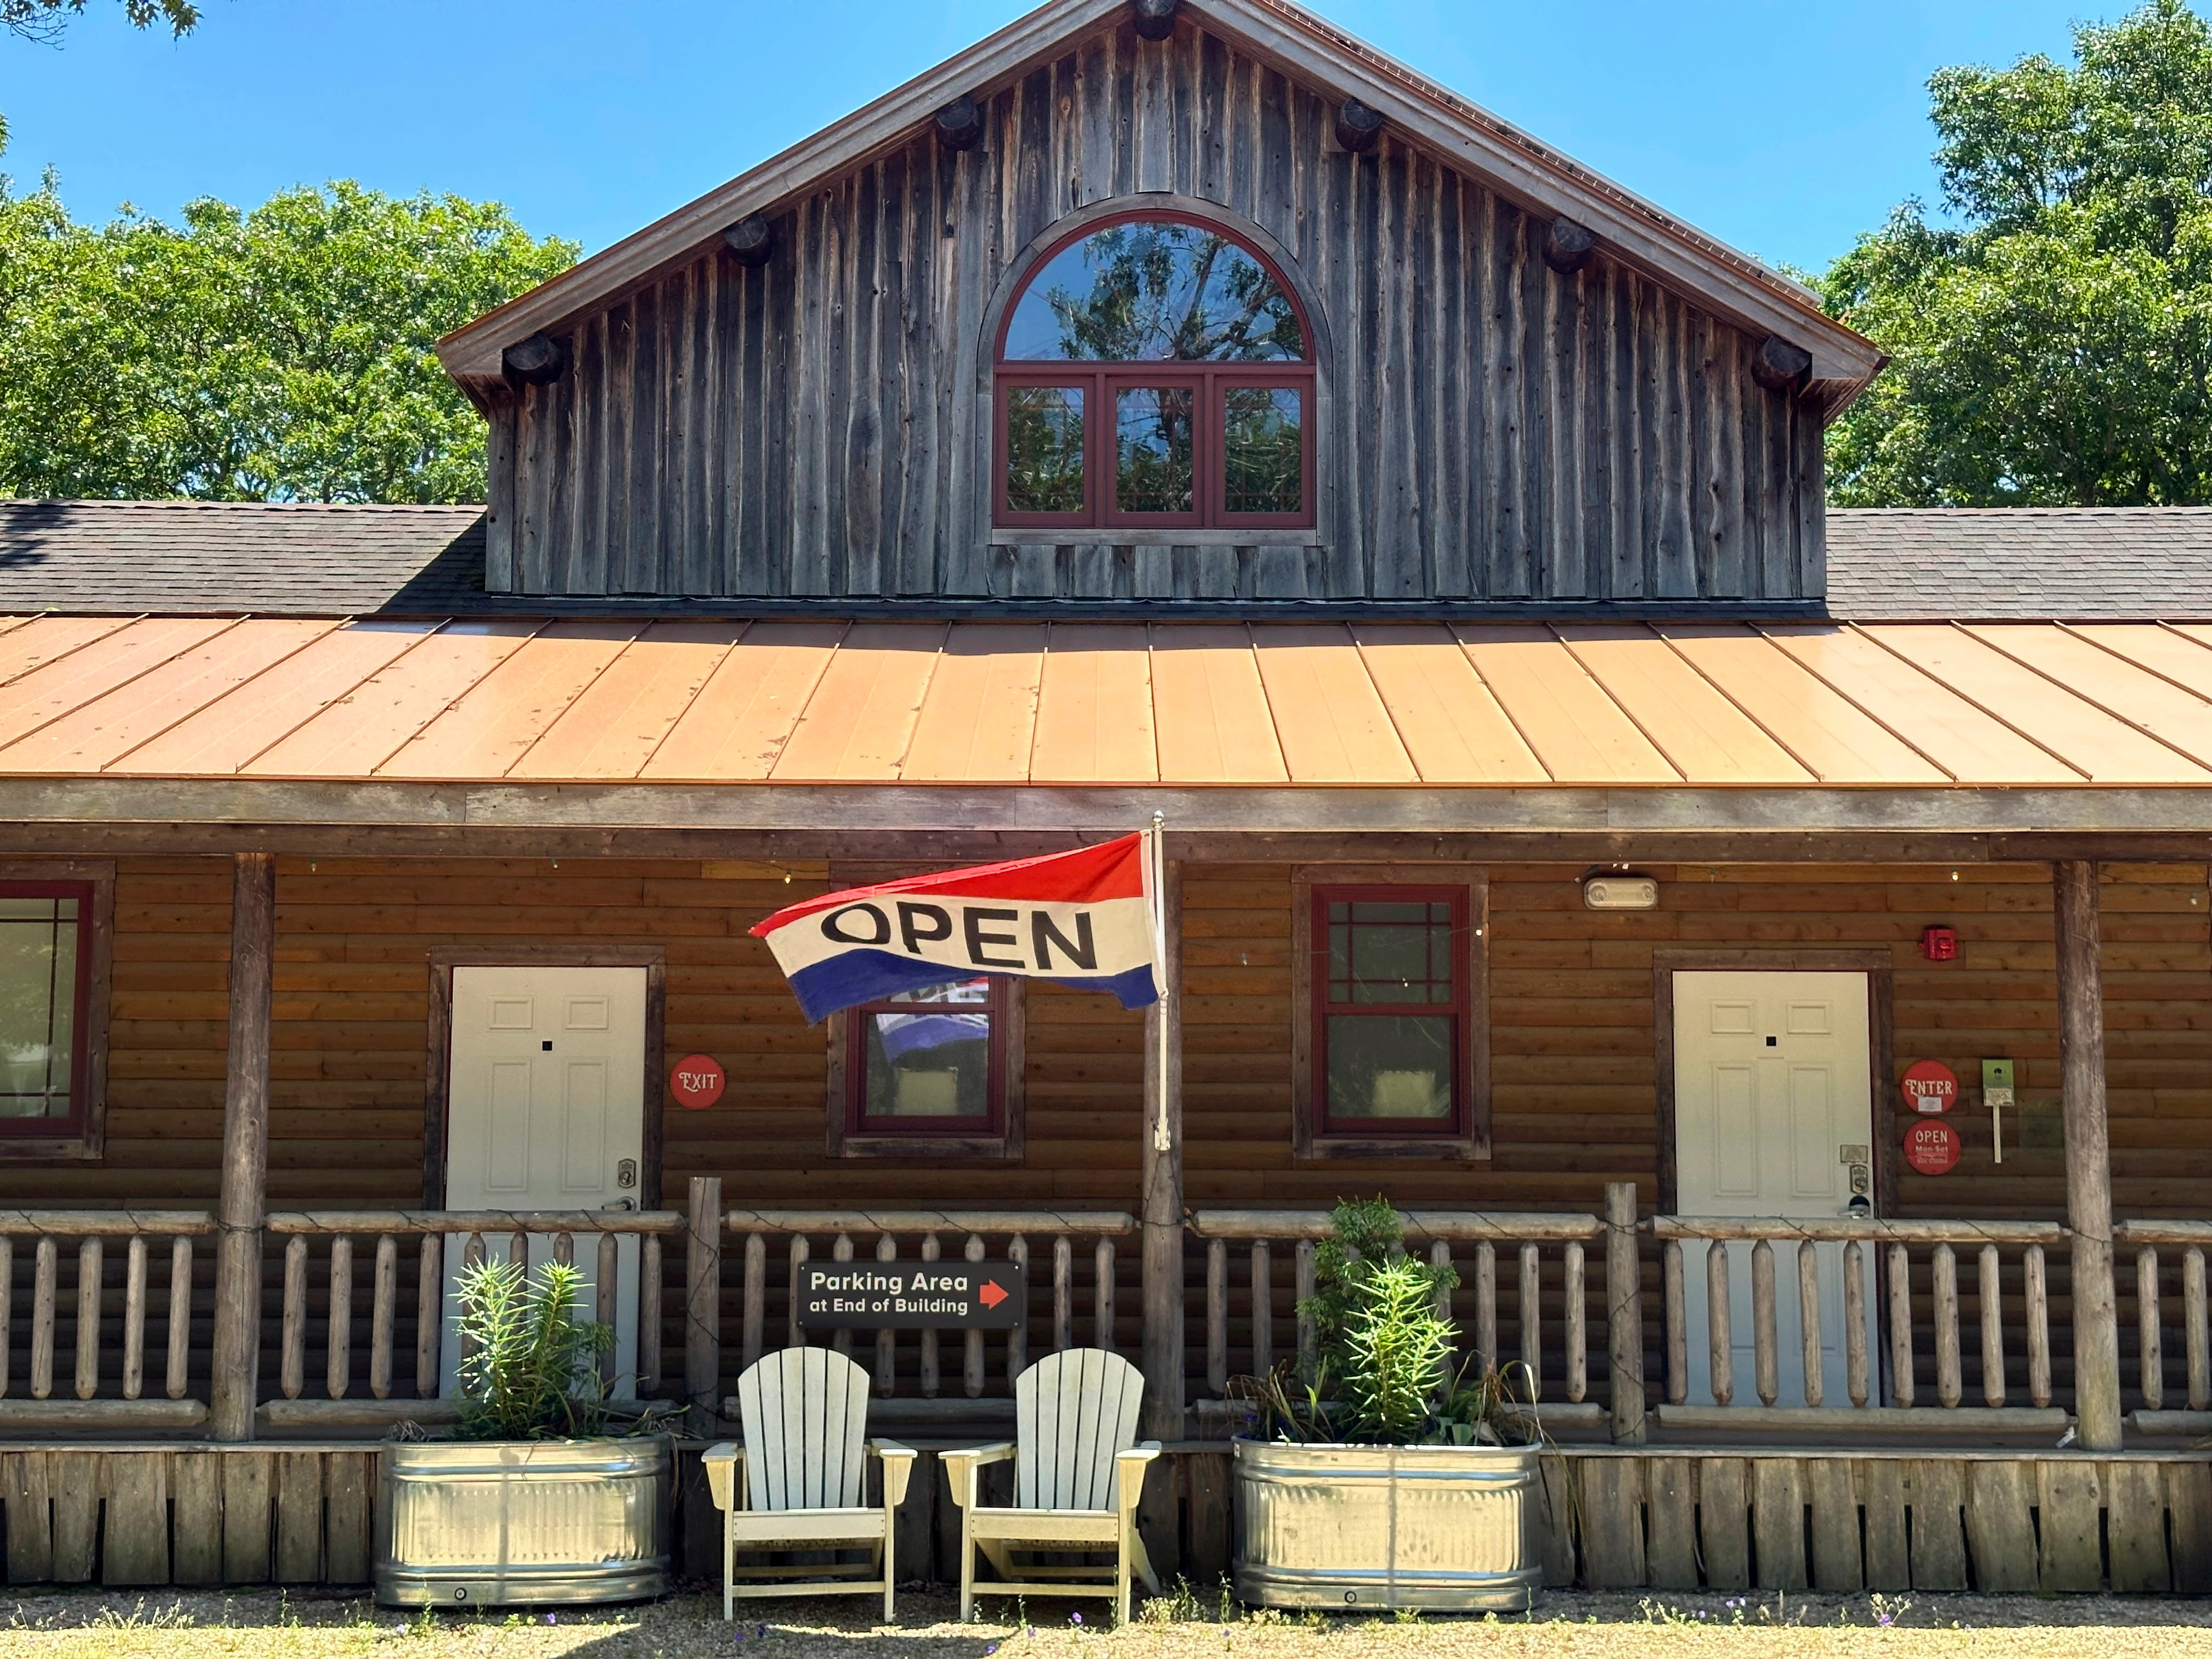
[(1155, 871)]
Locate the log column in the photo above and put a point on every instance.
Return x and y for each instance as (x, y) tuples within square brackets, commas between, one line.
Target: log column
[(702, 1307), (1162, 1351), (2089, 1158), (237, 1343), (1623, 1301)]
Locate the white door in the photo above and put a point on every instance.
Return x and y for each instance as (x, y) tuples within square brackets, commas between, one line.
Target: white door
[(1773, 1116), (546, 1111)]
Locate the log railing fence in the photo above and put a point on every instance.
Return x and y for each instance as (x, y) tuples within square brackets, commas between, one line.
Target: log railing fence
[(1889, 1268), (361, 1251), (1484, 1246), (1074, 1245), (157, 1250), (2147, 1251)]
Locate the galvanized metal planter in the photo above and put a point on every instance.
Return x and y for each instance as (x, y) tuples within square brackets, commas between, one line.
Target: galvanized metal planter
[(1449, 1528), (509, 1523)]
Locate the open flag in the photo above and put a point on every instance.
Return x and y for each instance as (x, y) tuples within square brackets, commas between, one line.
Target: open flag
[(1089, 919)]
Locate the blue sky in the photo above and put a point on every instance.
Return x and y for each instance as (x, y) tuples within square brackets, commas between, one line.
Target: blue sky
[(1783, 127)]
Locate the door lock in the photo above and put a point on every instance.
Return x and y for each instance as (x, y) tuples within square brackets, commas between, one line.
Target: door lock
[(626, 1173), (1862, 1180)]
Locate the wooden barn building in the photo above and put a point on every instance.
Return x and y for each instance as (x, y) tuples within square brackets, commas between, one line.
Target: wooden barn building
[(1578, 834)]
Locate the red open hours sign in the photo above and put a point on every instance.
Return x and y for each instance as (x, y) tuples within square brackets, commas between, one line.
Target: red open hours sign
[(1932, 1149)]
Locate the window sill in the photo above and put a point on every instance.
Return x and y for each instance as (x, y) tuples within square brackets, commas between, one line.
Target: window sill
[(1106, 535), (964, 1148), (51, 1149), (1436, 1149)]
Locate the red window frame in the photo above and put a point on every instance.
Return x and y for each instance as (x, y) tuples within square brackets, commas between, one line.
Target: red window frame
[(1456, 1124), (81, 1081), (991, 1126), (1100, 381)]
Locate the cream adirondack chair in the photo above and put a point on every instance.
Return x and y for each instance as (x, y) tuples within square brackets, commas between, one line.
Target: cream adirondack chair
[(1079, 1471), (797, 1483)]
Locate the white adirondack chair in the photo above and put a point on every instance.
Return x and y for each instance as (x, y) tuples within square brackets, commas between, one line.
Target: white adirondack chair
[(797, 1483), (1079, 1471)]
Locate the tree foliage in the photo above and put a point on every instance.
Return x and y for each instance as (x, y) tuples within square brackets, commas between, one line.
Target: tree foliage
[(282, 354), (2051, 338)]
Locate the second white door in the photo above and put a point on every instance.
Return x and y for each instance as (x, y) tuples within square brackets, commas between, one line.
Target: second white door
[(1773, 1117)]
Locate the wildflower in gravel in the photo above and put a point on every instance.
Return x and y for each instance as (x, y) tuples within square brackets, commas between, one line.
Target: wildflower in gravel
[(1075, 1618)]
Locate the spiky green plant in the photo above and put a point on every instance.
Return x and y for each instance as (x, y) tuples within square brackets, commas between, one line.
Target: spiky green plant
[(529, 1368), (1396, 1354)]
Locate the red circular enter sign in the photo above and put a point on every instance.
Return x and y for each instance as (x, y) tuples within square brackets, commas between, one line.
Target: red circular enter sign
[(697, 1082), (1931, 1086), (1931, 1149)]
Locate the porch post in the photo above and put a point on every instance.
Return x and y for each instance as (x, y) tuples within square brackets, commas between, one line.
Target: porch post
[(1623, 1301), (2089, 1161), (1163, 1184), (702, 1304), (245, 1149)]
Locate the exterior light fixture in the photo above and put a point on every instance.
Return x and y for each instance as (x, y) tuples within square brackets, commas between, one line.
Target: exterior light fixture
[(1620, 890)]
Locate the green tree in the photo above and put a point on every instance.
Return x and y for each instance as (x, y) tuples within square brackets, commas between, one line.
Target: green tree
[(283, 354), (2051, 336)]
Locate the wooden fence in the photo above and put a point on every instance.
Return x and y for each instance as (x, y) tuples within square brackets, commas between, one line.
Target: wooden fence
[(1944, 1326)]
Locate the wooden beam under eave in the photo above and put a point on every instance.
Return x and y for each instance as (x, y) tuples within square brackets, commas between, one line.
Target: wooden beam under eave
[(237, 1344), (1162, 1200), (2088, 1157)]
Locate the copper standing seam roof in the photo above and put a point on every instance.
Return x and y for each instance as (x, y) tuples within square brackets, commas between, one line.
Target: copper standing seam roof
[(1114, 703)]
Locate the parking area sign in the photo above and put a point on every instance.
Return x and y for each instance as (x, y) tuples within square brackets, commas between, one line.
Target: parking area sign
[(911, 1296)]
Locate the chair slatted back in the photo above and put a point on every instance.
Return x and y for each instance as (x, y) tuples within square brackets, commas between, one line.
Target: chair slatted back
[(804, 1415), (1072, 1411)]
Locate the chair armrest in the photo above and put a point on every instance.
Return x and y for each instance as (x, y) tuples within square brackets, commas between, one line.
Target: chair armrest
[(1129, 1472), (723, 1461), (961, 1465), (898, 1465)]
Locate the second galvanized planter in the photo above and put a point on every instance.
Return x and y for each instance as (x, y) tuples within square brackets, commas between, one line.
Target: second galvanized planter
[(1447, 1527), (510, 1523)]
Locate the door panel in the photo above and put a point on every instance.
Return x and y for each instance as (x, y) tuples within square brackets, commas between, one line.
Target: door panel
[(545, 1107), (1771, 1086)]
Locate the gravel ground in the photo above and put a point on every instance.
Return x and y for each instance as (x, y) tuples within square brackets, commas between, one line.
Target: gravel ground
[(1566, 1626)]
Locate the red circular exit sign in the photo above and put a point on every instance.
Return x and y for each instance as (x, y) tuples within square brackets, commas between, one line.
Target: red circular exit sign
[(1932, 1149), (697, 1082)]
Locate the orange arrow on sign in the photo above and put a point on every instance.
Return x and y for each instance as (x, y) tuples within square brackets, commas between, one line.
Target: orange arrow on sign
[(991, 1294)]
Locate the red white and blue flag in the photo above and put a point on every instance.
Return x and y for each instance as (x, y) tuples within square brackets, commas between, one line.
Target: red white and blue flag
[(1089, 919)]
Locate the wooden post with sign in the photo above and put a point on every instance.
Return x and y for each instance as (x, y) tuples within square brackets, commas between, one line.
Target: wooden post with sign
[(2088, 1157), (1163, 1348), (237, 1338)]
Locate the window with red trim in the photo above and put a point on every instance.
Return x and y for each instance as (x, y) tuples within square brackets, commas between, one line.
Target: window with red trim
[(1154, 372), (46, 960), (1390, 1012), (930, 1062)]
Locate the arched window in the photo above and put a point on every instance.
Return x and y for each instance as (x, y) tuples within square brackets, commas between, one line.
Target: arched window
[(1154, 372)]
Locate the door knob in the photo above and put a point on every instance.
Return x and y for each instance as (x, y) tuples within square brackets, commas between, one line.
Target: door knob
[(620, 1204)]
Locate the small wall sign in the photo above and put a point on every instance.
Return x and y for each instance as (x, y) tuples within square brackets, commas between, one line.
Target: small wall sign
[(697, 1082), (1932, 1149), (912, 1296), (1931, 1086)]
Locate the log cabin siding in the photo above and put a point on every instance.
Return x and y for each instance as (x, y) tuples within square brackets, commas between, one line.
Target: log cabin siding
[(1490, 429), (1572, 1044)]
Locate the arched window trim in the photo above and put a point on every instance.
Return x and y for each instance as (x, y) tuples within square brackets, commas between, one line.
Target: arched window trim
[(1210, 517)]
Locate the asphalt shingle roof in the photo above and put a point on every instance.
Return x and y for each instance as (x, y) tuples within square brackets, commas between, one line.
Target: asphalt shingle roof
[(2021, 563), (230, 558)]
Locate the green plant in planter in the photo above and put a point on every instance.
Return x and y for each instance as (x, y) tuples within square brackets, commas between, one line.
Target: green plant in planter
[(1383, 1372), (531, 1371)]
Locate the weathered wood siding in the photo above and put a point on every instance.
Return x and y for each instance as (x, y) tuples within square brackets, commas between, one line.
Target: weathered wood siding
[(1494, 430)]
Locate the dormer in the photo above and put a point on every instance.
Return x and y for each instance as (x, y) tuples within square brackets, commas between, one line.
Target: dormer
[(1157, 309)]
